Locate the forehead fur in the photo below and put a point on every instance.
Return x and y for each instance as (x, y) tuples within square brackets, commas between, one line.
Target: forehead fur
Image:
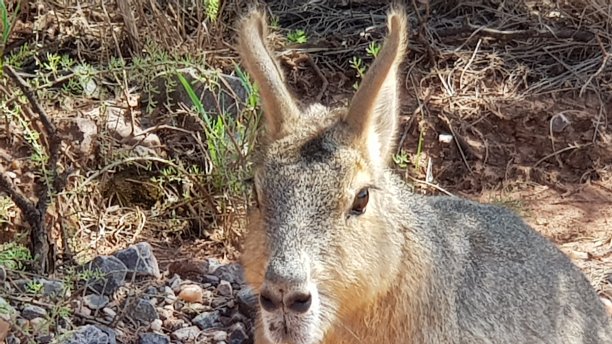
[(319, 142)]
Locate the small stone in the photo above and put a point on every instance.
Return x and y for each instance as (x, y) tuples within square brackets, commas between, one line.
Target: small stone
[(165, 313), (44, 339), (52, 288), (4, 329), (2, 274), (191, 293), (108, 274), (212, 279), (11, 339), (156, 325), (207, 320), (30, 312), (109, 313), (238, 334), (224, 288), (213, 265), (153, 338), (220, 336), (38, 324), (8, 314), (231, 272), (559, 122), (112, 335), (175, 283), (247, 302), (186, 333), (87, 334), (218, 302), (174, 324), (143, 311), (95, 301), (140, 260)]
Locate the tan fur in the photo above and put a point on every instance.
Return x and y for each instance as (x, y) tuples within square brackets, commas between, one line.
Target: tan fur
[(409, 269)]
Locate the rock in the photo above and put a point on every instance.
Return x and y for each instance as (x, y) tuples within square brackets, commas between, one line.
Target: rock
[(2, 274), (109, 313), (87, 334), (175, 283), (191, 293), (30, 312), (220, 336), (143, 311), (38, 324), (156, 325), (247, 302), (44, 339), (52, 288), (169, 296), (11, 339), (8, 313), (186, 333), (95, 301), (238, 334), (207, 320), (112, 336), (218, 302), (230, 272), (108, 274), (213, 265), (224, 288), (5, 327), (139, 260), (153, 338), (212, 279)]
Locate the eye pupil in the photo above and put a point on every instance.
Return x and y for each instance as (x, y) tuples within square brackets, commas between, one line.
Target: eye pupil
[(360, 202)]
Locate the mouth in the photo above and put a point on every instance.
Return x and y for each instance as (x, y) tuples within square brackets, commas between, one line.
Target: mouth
[(285, 328)]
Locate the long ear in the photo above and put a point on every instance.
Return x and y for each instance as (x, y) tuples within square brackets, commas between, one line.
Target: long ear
[(279, 107), (374, 110)]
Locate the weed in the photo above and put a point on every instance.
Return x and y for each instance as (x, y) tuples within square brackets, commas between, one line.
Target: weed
[(373, 49), (357, 64), (34, 287), (14, 256), (401, 159), (297, 36), (212, 9)]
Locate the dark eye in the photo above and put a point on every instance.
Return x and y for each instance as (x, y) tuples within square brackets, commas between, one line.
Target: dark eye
[(360, 202)]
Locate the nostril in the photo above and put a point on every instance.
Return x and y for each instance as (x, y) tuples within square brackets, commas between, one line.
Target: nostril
[(267, 302), (299, 302)]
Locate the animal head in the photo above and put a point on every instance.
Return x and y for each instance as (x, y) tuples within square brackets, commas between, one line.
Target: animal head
[(319, 235)]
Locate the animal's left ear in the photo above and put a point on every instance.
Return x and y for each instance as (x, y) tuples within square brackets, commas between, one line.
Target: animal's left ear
[(374, 110)]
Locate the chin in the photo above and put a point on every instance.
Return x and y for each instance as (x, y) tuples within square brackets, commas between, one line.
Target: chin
[(304, 328)]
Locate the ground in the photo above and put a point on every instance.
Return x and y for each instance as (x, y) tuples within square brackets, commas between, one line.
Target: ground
[(524, 90)]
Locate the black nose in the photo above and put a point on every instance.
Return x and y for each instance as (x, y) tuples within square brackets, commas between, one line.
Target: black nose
[(299, 302), (268, 301), (294, 301)]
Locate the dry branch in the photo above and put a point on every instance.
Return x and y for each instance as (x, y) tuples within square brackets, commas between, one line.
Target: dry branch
[(34, 213)]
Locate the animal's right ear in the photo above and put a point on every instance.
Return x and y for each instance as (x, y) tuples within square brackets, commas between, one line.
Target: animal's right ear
[(279, 107)]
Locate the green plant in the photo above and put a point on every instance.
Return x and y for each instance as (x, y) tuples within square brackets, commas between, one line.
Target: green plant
[(297, 36), (357, 64), (7, 25), (14, 256), (373, 49), (34, 287), (212, 9), (401, 159)]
